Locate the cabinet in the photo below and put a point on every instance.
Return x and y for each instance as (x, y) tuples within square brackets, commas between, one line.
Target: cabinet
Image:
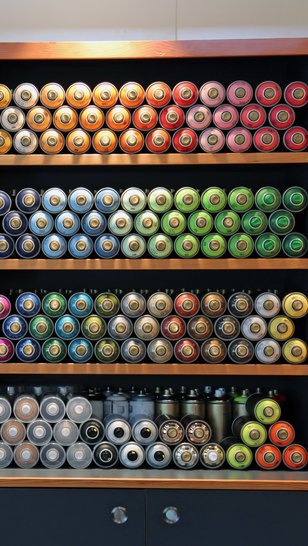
[(75, 509)]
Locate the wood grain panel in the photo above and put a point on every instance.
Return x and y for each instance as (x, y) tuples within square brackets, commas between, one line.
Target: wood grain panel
[(152, 49), (69, 368), (130, 160), (153, 264)]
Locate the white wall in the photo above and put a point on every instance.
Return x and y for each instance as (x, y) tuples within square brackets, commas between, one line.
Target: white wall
[(52, 20)]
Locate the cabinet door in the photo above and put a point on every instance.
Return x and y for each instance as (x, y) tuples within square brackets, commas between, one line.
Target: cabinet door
[(182, 518), (71, 517)]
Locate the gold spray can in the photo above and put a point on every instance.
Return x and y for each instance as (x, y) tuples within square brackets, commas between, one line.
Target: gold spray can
[(65, 118), (78, 141), (105, 95), (5, 142), (78, 95), (281, 328), (52, 141), (91, 118), (39, 119), (52, 95), (105, 141), (5, 96)]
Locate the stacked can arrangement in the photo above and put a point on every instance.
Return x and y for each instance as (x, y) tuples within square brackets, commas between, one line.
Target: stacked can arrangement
[(129, 429), (157, 118), (137, 327), (103, 225)]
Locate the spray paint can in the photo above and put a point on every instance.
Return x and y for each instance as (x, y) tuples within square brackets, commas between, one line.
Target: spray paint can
[(131, 455), (6, 455), (253, 116), (41, 223), (281, 434), (185, 455), (116, 404), (78, 95), (227, 327), (131, 141), (219, 415), (173, 223), (281, 116), (185, 141), (54, 304), (160, 245), (142, 404), (212, 93), (268, 93), (52, 455), (6, 350), (158, 141), (92, 432), (251, 433), (267, 351), (160, 200), (26, 408), (14, 327), (27, 350), (198, 117), (105, 455), (5, 203), (13, 432), (268, 457), (25, 142), (39, 432), (238, 456), (263, 409), (212, 456), (105, 95), (78, 409), (5, 409), (133, 246), (171, 117), (160, 304), (295, 245), (67, 223), (295, 139), (213, 351), (107, 304), (240, 304), (268, 304), (12, 119), (213, 304), (15, 223), (80, 350), (167, 404), (146, 223), (214, 199), (5, 96), (54, 246), (160, 350), (192, 403), (198, 431), (5, 307), (54, 200), (200, 328), (52, 408), (91, 118), (79, 455), (239, 140), (254, 222), (144, 430), (239, 404), (120, 327), (6, 246), (133, 305), (67, 327), (52, 95), (145, 118), (26, 455), (266, 139), (118, 430), (281, 328), (146, 327), (170, 431), (239, 93), (133, 350), (295, 305), (158, 455), (295, 351), (295, 457), (133, 200), (80, 304), (131, 94), (241, 351), (225, 117), (107, 200), (295, 199)]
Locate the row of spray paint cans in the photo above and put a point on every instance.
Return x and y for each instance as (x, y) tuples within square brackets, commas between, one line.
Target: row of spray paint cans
[(137, 326), (158, 222), (53, 120), (131, 428)]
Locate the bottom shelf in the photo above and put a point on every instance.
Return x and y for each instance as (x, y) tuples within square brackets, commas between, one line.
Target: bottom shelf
[(156, 479)]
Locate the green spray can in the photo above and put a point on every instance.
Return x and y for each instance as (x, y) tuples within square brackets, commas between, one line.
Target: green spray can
[(239, 404), (147, 223), (186, 245), (281, 222), (268, 245), (54, 350), (107, 304), (54, 304), (227, 222), (252, 433), (107, 350), (241, 245), (238, 456), (295, 199), (213, 245), (133, 246), (200, 223), (173, 222), (93, 327), (295, 245), (160, 246), (41, 327), (160, 200), (214, 199), (254, 222), (120, 223), (187, 199), (241, 199), (268, 199)]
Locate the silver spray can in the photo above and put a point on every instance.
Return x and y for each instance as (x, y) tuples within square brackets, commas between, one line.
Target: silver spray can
[(158, 455), (52, 408), (146, 327), (116, 404), (131, 455), (79, 455), (254, 328), (160, 350), (78, 409), (142, 403), (117, 429), (120, 327), (39, 432), (185, 455), (95, 398), (144, 430), (133, 305), (219, 415), (52, 455), (160, 304), (66, 432)]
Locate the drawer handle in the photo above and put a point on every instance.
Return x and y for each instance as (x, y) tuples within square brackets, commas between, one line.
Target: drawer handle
[(119, 515), (171, 515)]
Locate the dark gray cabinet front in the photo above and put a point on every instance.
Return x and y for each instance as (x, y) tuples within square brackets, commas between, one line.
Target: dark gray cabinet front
[(182, 518), (72, 517)]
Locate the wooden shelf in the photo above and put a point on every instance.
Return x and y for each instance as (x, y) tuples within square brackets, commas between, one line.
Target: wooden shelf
[(69, 368), (153, 49), (42, 160), (156, 479), (153, 264)]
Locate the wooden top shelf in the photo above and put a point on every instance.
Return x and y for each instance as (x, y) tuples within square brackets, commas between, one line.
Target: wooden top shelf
[(153, 264), (156, 479), (163, 49), (69, 368), (43, 160)]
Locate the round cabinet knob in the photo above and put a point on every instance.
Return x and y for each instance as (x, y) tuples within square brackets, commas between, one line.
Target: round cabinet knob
[(171, 515), (119, 515)]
